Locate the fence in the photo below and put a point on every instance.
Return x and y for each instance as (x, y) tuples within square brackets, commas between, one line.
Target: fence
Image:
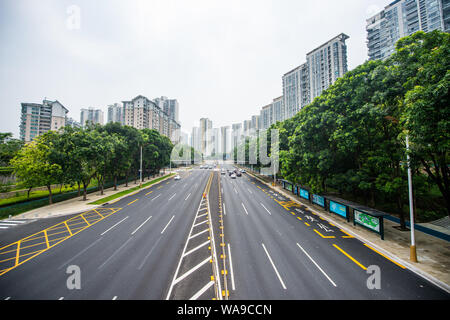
[(37, 203)]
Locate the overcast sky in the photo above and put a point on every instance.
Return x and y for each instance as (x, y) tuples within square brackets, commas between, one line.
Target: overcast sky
[(220, 59)]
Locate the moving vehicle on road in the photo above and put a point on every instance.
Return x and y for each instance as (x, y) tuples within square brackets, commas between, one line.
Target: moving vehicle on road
[(233, 176), (177, 177)]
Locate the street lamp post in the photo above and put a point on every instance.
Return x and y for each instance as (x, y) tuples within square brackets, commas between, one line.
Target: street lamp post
[(413, 252), (140, 171)]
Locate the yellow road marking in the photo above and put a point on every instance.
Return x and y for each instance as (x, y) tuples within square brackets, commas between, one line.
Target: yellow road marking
[(347, 235), (132, 202), (325, 237), (49, 243), (148, 193), (85, 220), (350, 257), (46, 238), (385, 256), (307, 224), (299, 218)]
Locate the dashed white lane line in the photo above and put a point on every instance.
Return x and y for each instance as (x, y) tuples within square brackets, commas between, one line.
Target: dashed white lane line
[(202, 291), (318, 267), (114, 253), (249, 190), (245, 209), (141, 225), (274, 267), (265, 208), (231, 268), (172, 197), (167, 225), (223, 205), (156, 197), (114, 225), (187, 197)]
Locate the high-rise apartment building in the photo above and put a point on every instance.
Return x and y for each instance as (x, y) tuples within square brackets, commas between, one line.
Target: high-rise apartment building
[(115, 113), (402, 18), (278, 110), (205, 136), (236, 135), (142, 112), (169, 106), (323, 66), (326, 64), (266, 116), (255, 122), (36, 119), (195, 138), (225, 136), (91, 115)]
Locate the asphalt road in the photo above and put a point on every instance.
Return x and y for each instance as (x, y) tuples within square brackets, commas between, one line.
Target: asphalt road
[(131, 254), (286, 252), (170, 241)]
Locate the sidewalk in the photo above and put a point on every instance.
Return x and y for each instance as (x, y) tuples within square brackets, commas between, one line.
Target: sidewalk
[(77, 205), (433, 253)]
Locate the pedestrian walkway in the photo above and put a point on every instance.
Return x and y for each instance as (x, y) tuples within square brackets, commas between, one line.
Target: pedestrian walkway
[(76, 205), (433, 253), (11, 223)]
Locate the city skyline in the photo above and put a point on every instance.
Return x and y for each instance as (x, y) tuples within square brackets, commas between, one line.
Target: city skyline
[(86, 72)]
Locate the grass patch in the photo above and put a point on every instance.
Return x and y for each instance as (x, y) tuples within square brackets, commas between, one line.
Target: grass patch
[(124, 192)]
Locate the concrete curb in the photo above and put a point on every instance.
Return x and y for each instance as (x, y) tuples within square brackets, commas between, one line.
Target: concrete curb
[(91, 206), (442, 285)]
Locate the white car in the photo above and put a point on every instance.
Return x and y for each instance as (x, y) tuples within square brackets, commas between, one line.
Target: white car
[(233, 176), (177, 177)]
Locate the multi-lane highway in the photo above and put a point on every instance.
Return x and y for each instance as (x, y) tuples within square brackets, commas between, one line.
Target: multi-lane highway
[(131, 253), (206, 236)]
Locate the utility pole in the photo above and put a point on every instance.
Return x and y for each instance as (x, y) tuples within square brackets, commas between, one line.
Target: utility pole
[(140, 171), (413, 252)]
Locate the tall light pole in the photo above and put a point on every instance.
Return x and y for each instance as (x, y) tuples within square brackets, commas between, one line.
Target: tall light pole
[(413, 252), (140, 171), (412, 248)]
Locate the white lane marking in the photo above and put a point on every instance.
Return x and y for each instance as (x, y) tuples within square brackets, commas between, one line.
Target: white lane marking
[(16, 221), (196, 248), (274, 268), (201, 223), (224, 211), (114, 253), (80, 253), (148, 254), (8, 224), (181, 257), (197, 234), (172, 197), (265, 208), (141, 225), (4, 227), (114, 225), (202, 290), (202, 215), (235, 190), (191, 270), (7, 298), (114, 298), (318, 267), (231, 268), (155, 197), (167, 225), (249, 191), (244, 208), (187, 197), (61, 298)]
